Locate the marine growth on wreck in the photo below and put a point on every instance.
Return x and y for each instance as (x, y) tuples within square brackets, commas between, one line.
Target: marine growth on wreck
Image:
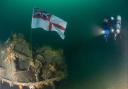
[(23, 67)]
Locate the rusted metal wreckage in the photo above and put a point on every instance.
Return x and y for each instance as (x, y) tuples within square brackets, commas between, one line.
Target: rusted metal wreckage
[(31, 85), (18, 67)]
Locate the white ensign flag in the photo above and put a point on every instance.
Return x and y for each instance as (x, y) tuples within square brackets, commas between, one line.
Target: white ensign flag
[(48, 22)]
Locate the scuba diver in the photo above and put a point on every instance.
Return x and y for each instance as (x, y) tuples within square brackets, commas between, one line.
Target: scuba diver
[(112, 27), (106, 28)]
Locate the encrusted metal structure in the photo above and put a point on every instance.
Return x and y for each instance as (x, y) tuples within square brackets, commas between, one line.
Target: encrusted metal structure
[(19, 67)]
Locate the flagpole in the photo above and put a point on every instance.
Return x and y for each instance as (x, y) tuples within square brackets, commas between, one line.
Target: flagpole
[(31, 37), (31, 43)]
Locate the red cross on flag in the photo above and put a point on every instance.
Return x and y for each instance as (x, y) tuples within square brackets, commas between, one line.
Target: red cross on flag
[(48, 22)]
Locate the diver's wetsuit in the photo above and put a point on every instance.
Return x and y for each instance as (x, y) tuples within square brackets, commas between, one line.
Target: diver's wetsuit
[(106, 29)]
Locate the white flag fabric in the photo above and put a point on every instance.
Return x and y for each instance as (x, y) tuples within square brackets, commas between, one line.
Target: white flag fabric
[(48, 22)]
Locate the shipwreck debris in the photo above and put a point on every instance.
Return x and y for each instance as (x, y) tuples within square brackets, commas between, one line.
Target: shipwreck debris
[(19, 67)]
